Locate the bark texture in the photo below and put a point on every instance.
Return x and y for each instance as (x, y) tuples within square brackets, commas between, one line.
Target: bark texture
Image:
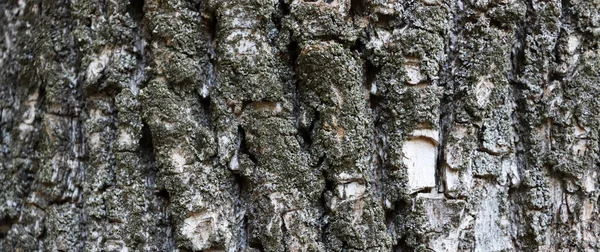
[(299, 125)]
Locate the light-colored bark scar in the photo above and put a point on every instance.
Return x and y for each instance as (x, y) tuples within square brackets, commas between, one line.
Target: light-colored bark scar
[(198, 228), (420, 158), (483, 90)]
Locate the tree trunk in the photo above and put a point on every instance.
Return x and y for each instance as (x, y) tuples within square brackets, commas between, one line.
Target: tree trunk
[(297, 125)]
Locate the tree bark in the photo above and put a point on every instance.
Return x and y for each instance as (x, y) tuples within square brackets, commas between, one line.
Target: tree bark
[(297, 125)]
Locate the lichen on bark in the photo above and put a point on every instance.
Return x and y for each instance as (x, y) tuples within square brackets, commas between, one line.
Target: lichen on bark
[(299, 125)]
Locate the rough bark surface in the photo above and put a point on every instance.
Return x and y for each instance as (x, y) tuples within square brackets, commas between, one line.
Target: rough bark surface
[(297, 125)]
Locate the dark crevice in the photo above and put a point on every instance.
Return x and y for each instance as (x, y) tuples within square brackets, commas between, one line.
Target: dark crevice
[(140, 75), (42, 235), (325, 196), (147, 155), (306, 133), (98, 87), (524, 239), (243, 184), (445, 126), (164, 195), (390, 215), (210, 23), (385, 20), (103, 188), (499, 24), (319, 163), (205, 103), (244, 146), (146, 147), (6, 224), (306, 136), (518, 63), (284, 230), (402, 246), (556, 49), (329, 184), (243, 190), (293, 53), (447, 102), (555, 76), (216, 247), (256, 245), (521, 130), (446, 118), (284, 7), (379, 163), (393, 220), (135, 8), (565, 12), (118, 221), (205, 111), (278, 16), (518, 53), (357, 8), (61, 201), (371, 72), (375, 102), (480, 140), (564, 23), (358, 46), (469, 18)]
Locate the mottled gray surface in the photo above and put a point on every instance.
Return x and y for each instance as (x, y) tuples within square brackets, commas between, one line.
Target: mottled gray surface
[(297, 125)]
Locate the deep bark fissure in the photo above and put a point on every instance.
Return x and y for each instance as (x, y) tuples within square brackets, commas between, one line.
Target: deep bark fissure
[(6, 224), (307, 133), (326, 194), (243, 185), (373, 105), (178, 159), (135, 8), (399, 209), (243, 146), (211, 28)]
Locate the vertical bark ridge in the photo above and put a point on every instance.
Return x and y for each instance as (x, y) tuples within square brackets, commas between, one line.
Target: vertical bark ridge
[(304, 125)]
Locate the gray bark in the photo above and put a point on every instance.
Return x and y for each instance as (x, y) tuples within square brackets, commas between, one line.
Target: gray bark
[(297, 125)]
